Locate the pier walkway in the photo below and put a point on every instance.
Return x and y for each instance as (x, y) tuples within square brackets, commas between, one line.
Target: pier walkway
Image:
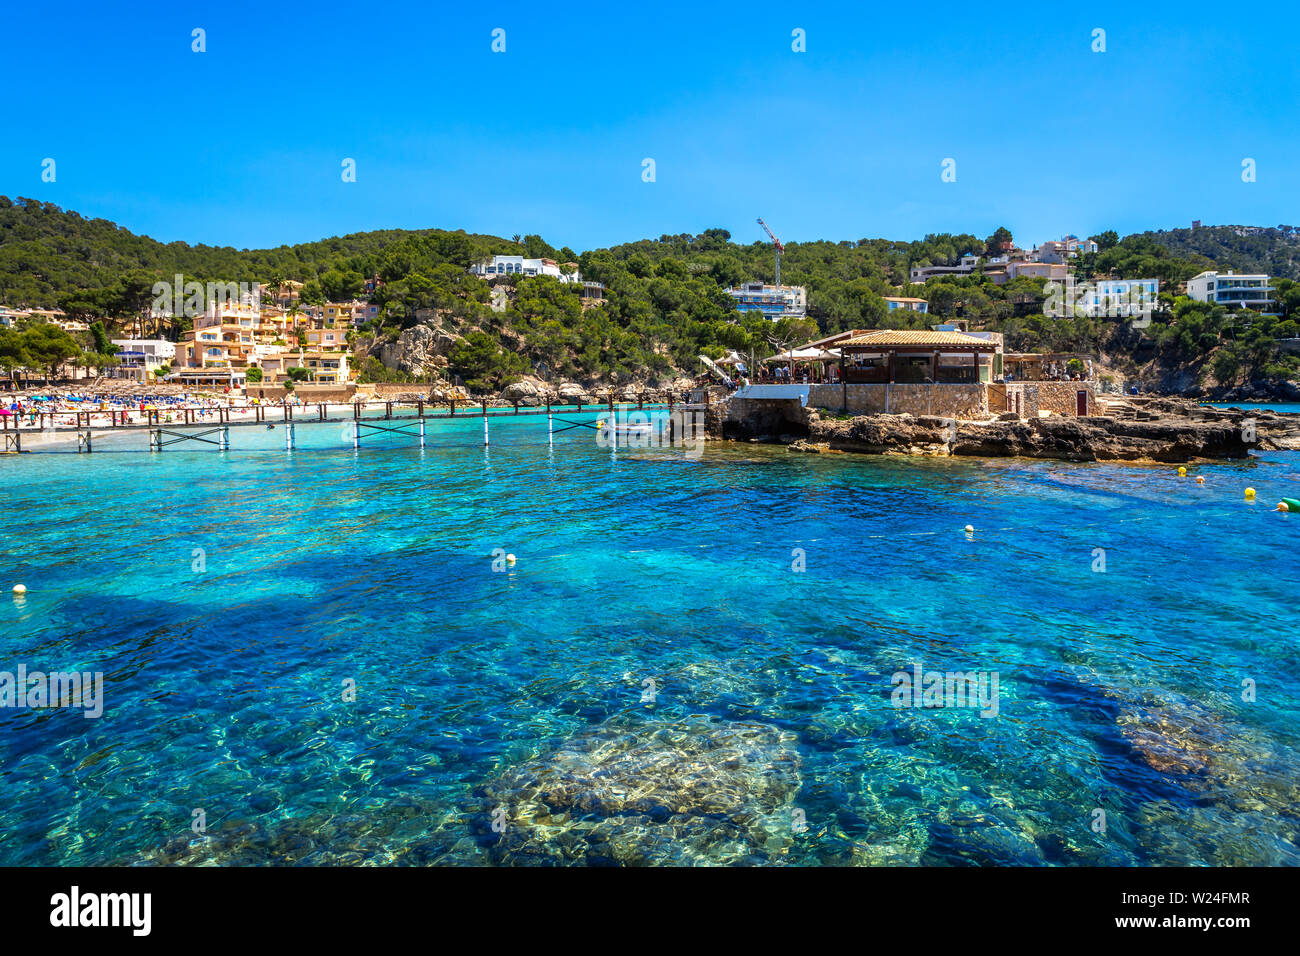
[(210, 426)]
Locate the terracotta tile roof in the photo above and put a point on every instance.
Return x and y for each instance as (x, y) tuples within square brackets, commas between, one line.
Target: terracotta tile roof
[(897, 338)]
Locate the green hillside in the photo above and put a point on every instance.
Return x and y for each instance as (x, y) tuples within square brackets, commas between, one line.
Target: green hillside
[(665, 302)]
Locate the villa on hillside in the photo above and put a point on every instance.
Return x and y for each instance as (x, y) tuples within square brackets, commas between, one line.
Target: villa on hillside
[(1047, 261), (1229, 289), (1116, 298), (906, 303), (518, 265), (919, 275), (1063, 249)]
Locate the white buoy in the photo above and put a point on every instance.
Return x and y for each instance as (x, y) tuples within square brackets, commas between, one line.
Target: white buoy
[(20, 589), (970, 529), (510, 559)]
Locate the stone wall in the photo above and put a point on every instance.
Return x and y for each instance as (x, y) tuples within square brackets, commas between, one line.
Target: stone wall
[(307, 394), (950, 401), (760, 418), (1059, 398)]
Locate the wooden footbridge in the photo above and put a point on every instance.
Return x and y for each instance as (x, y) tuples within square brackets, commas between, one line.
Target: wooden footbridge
[(163, 426)]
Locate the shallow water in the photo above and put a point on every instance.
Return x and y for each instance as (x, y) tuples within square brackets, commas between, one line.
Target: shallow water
[(505, 717), (1289, 408)]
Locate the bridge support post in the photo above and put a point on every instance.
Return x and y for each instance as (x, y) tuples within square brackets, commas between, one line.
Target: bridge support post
[(288, 437), (84, 443), (155, 439), (550, 428), (421, 431)]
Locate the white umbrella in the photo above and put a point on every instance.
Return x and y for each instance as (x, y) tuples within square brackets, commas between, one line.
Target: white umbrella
[(803, 355)]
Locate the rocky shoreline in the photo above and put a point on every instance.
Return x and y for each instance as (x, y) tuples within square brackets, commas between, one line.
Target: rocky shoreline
[(1165, 430)]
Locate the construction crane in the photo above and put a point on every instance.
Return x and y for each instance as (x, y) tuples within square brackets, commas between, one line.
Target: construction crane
[(779, 249)]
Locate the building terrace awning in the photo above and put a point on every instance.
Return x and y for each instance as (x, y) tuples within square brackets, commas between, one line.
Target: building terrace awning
[(895, 339)]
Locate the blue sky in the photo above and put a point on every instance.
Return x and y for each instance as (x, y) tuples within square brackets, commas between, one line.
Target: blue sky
[(242, 145)]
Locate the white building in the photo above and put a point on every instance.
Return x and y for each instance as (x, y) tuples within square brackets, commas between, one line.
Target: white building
[(140, 358), (1059, 250), (1230, 289), (518, 265), (1118, 298), (774, 301)]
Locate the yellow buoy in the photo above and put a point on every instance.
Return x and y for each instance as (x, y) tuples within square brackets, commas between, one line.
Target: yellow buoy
[(1250, 493), (1182, 472), (20, 589)]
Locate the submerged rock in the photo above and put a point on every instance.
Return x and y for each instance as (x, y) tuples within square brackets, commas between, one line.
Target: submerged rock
[(403, 831), (695, 790)]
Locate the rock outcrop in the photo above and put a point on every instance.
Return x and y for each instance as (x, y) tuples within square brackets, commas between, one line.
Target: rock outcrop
[(527, 391), (1274, 431), (1096, 438), (419, 350), (1157, 429), (572, 393)]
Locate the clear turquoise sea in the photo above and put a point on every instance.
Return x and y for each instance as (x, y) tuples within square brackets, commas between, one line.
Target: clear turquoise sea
[(1289, 408), (652, 682)]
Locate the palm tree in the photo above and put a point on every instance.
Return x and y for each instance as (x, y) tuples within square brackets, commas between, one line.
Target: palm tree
[(295, 310)]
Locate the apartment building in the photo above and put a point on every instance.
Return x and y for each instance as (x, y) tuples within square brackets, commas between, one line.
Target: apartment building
[(773, 301), (140, 359)]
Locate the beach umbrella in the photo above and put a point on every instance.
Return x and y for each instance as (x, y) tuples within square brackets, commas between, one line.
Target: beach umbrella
[(802, 355)]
